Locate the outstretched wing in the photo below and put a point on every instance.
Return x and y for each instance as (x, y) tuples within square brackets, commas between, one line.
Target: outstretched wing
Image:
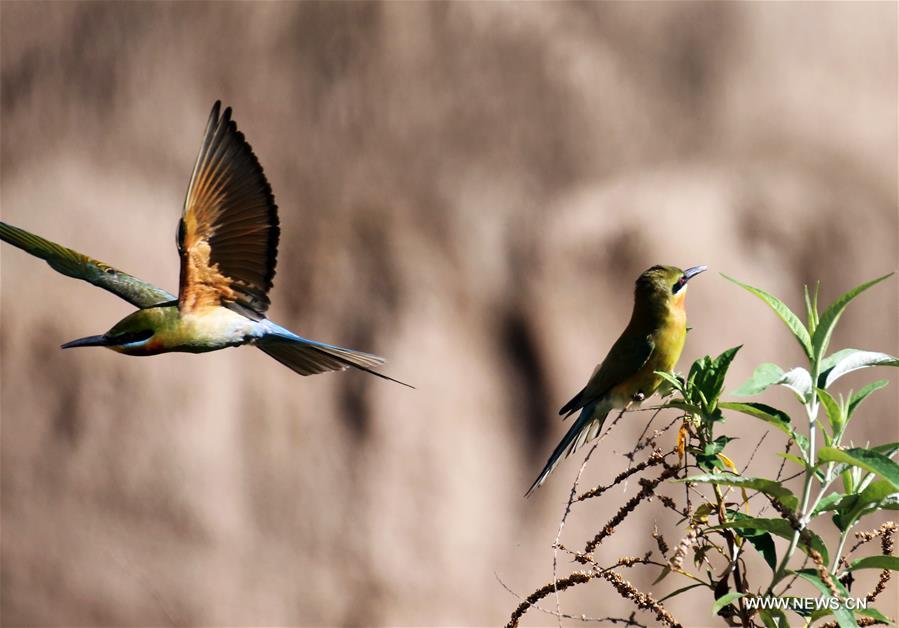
[(80, 266), (626, 357), (228, 234)]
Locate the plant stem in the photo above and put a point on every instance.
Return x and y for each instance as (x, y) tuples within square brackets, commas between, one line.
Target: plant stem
[(836, 559), (734, 556), (811, 409)]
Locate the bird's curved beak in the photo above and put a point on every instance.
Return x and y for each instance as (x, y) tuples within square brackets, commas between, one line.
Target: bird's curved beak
[(692, 272), (90, 341)]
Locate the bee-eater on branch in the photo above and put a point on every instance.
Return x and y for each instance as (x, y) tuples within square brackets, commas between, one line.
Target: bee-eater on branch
[(227, 241), (652, 341)]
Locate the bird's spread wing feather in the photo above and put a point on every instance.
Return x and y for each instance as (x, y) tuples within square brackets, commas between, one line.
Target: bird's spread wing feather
[(80, 266), (626, 357), (228, 234)]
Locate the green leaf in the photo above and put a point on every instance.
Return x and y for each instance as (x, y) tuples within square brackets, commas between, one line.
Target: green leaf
[(761, 541), (724, 600), (799, 381), (802, 441), (672, 380), (811, 308), (766, 375), (786, 315), (665, 571), (774, 618), (851, 360), (778, 527), (682, 405), (830, 361), (876, 562), (764, 545), (876, 492), (828, 503), (876, 614), (712, 380), (682, 590), (865, 459), (706, 378), (769, 487), (833, 410), (852, 507), (716, 446), (768, 414), (856, 398), (845, 618), (793, 458), (887, 449), (763, 376), (832, 314), (848, 480)]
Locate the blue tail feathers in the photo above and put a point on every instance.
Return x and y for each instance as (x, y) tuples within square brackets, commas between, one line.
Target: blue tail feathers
[(308, 357), (585, 428)]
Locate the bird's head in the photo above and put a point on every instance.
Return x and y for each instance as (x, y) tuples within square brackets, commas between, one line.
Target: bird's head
[(134, 334), (664, 285)]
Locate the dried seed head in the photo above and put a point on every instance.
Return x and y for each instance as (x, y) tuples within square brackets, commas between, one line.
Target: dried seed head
[(686, 544)]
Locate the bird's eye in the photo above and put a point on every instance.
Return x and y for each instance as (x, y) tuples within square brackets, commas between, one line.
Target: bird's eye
[(678, 285)]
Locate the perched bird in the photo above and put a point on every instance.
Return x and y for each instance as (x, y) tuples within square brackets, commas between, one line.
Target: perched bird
[(652, 341), (227, 240)]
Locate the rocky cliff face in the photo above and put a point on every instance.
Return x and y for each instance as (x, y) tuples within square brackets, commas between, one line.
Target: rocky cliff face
[(468, 189)]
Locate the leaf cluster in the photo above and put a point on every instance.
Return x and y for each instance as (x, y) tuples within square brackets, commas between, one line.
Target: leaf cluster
[(724, 510), (868, 477)]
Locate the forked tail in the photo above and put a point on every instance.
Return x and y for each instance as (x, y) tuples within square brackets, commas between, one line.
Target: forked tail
[(308, 357), (586, 428)]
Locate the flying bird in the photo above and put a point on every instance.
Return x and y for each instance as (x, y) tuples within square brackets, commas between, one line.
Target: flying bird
[(227, 241), (652, 341)]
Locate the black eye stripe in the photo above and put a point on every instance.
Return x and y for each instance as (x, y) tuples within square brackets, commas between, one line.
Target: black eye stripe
[(133, 336)]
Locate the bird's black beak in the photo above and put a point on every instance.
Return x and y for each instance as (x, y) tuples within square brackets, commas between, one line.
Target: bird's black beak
[(90, 341), (692, 272)]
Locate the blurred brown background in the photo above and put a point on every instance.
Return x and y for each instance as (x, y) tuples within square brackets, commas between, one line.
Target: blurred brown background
[(468, 189)]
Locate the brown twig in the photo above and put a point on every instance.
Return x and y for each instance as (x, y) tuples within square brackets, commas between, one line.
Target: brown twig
[(859, 621), (783, 462), (644, 601), (752, 455), (557, 543), (646, 492), (823, 573), (660, 541), (886, 532), (584, 618), (571, 500), (795, 577), (578, 577), (650, 441), (656, 458)]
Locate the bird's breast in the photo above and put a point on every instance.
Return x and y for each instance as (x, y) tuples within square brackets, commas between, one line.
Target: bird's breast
[(668, 342), (208, 329)]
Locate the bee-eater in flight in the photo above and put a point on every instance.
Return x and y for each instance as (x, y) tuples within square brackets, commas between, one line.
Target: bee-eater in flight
[(652, 341), (227, 240)]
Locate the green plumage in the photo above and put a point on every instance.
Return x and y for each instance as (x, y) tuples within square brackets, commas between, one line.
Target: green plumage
[(652, 341), (74, 264), (227, 240)]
